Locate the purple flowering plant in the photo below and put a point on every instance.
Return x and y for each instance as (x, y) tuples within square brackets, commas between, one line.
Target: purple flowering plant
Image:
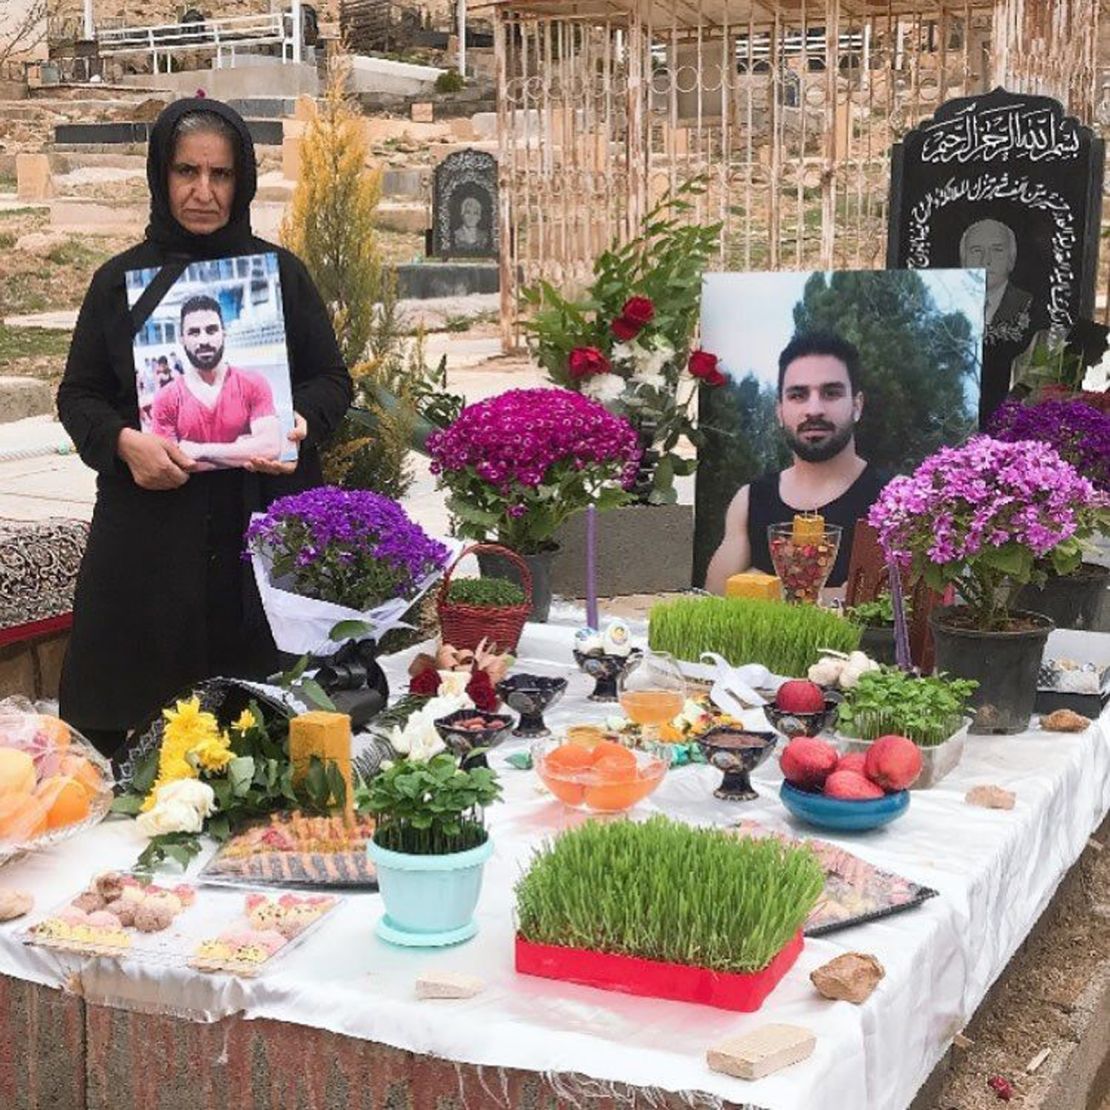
[(979, 516), (1078, 431), (350, 547), (515, 466)]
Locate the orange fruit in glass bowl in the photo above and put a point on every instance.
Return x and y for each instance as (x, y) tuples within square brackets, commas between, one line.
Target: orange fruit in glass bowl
[(613, 780), (84, 771), (22, 816), (66, 800), (17, 772)]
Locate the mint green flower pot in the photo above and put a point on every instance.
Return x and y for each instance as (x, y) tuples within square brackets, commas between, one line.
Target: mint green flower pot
[(429, 900)]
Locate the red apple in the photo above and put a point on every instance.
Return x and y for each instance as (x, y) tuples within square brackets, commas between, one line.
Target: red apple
[(894, 762), (807, 762), (853, 761), (851, 785), (800, 696)]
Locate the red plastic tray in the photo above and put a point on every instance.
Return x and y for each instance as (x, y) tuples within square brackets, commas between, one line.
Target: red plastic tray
[(654, 979)]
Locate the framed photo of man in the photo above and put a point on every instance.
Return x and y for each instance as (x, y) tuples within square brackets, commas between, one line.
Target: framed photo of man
[(835, 381), (211, 363)]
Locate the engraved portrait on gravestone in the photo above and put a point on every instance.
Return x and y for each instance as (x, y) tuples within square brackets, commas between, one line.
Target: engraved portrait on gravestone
[(468, 232), (992, 246)]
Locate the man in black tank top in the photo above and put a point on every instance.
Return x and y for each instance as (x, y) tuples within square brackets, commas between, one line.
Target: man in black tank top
[(818, 407)]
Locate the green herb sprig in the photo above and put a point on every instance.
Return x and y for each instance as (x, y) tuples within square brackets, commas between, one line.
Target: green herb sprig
[(784, 638), (928, 710), (487, 593), (666, 891), (430, 808)]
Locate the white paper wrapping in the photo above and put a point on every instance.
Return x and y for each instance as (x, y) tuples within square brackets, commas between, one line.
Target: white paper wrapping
[(301, 625), (995, 870)]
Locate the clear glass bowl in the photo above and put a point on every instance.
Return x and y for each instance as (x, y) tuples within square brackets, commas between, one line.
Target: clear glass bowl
[(604, 778)]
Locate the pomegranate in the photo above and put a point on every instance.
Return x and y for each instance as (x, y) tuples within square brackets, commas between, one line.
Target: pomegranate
[(807, 762), (851, 785), (894, 762), (799, 695)]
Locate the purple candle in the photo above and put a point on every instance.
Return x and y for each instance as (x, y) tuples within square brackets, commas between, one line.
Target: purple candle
[(591, 567)]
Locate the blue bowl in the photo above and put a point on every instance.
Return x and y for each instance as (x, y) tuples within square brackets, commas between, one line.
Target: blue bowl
[(842, 814)]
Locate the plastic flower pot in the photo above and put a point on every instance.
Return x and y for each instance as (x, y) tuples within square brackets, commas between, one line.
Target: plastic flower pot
[(1069, 600), (744, 991), (429, 900), (495, 565), (1005, 664)]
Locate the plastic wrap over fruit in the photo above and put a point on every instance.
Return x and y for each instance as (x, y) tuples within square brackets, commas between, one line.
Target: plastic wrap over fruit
[(53, 782)]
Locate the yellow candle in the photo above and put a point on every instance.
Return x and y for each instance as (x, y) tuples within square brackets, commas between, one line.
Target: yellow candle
[(325, 735), (808, 528), (762, 587)]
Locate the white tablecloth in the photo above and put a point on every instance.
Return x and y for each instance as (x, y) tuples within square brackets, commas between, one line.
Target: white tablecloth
[(995, 872)]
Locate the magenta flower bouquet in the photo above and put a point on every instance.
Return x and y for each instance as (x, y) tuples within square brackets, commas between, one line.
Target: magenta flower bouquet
[(979, 516), (517, 465)]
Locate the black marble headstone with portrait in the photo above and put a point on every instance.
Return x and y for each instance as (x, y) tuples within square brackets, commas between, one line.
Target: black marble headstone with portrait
[(1010, 184), (464, 206)]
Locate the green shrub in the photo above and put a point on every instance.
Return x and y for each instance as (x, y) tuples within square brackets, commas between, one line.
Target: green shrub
[(491, 593), (450, 82), (784, 638), (666, 891)]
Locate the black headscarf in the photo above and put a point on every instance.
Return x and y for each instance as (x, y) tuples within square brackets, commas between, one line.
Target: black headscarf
[(235, 236)]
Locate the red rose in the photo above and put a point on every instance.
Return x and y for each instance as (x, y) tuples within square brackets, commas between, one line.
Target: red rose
[(585, 362), (481, 692), (638, 310), (624, 330), (425, 684), (703, 365)]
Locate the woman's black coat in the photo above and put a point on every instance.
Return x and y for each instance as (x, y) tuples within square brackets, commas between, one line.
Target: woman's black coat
[(163, 597)]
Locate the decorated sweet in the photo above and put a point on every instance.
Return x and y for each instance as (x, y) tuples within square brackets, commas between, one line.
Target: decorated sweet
[(14, 903), (616, 639), (588, 641), (132, 903), (75, 930)]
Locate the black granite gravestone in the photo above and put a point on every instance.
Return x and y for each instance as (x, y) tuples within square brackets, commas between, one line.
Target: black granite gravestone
[(464, 206), (1010, 184)]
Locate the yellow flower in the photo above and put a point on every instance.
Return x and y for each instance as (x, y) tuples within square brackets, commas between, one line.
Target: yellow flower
[(186, 727), (244, 722), (213, 753), (189, 719)]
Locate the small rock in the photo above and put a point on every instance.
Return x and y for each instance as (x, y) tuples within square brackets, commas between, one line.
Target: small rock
[(990, 797), (768, 1049), (849, 978), (14, 903), (448, 984), (1064, 720)]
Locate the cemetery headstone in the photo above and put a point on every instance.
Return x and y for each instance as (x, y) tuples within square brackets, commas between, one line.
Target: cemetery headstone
[(33, 180), (1010, 184), (464, 206)]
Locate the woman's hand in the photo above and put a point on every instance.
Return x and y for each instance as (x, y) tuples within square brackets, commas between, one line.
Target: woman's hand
[(274, 466), (155, 463)]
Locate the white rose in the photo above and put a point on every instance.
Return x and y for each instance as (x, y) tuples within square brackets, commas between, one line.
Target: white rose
[(626, 352), (191, 792), (604, 388), (169, 817), (452, 684), (425, 744)]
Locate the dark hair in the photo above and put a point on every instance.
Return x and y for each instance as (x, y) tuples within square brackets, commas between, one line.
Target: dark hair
[(821, 343), (201, 303)]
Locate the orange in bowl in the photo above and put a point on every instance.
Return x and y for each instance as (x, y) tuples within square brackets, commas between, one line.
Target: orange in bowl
[(55, 729), (84, 771), (611, 779), (22, 816), (66, 800)]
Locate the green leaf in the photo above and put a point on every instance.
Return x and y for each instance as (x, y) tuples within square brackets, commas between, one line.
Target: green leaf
[(240, 772), (294, 672), (317, 694), (129, 804), (146, 772), (1011, 559), (337, 785), (349, 630)]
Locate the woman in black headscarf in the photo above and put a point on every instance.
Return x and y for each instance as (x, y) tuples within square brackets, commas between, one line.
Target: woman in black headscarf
[(164, 598)]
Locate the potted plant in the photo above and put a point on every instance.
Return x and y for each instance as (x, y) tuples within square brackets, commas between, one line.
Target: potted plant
[(517, 465), (627, 342), (1080, 433), (494, 610), (978, 517), (930, 711), (786, 639), (429, 847), (663, 909), (333, 559), (876, 621)]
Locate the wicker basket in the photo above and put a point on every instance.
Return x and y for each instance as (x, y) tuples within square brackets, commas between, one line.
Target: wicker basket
[(464, 626)]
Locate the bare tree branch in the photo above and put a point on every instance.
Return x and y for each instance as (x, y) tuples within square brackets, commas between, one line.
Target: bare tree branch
[(22, 30)]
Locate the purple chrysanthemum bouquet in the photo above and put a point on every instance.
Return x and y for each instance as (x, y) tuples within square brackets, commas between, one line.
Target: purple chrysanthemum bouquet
[(1079, 432), (979, 516), (330, 555), (517, 465)]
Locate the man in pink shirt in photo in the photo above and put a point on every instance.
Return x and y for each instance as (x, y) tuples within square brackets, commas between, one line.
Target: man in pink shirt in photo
[(217, 414)]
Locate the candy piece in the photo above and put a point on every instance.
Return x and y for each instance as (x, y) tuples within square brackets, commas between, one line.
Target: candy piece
[(14, 903), (768, 1049), (448, 984), (849, 978), (990, 797)]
